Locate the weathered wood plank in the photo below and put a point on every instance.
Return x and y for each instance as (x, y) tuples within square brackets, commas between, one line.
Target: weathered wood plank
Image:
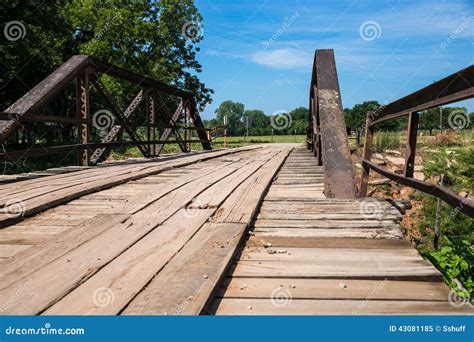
[(7, 251), (126, 275), (295, 223), (393, 232), (186, 283), (234, 306), (259, 240), (419, 270), (335, 289)]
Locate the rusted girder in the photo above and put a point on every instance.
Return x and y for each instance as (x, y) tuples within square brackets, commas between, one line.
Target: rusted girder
[(337, 164), (456, 87)]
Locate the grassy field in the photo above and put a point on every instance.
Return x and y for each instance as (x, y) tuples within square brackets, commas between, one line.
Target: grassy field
[(133, 152)]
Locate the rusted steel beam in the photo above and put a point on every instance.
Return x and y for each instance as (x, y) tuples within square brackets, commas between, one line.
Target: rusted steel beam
[(456, 87), (101, 154), (193, 114), (412, 133), (172, 122), (461, 204), (51, 150), (337, 164), (83, 115), (38, 96), (42, 118), (364, 179), (133, 77), (119, 114), (151, 131)]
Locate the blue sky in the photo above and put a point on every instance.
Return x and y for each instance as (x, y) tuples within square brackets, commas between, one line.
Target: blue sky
[(405, 46)]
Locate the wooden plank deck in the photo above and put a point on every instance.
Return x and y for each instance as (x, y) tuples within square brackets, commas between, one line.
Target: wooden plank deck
[(117, 234), (311, 255), (166, 237)]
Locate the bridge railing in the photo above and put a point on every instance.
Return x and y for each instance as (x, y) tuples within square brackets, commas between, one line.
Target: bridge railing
[(86, 71), (456, 87)]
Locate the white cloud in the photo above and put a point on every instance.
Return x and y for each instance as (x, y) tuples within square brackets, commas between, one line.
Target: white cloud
[(283, 59)]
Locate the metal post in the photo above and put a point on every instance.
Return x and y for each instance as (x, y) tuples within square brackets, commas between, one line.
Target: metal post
[(151, 131), (83, 116), (247, 127), (357, 139), (364, 179), (441, 119), (438, 216), (186, 129), (412, 132), (225, 131)]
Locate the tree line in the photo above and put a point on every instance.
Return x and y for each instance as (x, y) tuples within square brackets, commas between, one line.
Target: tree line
[(296, 121), (450, 117), (259, 123)]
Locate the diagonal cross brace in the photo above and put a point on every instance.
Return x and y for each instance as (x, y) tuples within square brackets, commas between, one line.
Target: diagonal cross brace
[(116, 111), (100, 153), (166, 133)]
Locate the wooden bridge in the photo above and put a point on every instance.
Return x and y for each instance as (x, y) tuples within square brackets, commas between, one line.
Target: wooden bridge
[(266, 229)]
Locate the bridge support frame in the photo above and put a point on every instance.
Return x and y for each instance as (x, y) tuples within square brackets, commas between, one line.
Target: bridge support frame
[(151, 116), (83, 116), (367, 153)]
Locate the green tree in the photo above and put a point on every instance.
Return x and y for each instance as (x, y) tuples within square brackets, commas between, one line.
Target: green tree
[(234, 112), (145, 37), (259, 123), (40, 41), (355, 117), (429, 119), (142, 36), (299, 118)]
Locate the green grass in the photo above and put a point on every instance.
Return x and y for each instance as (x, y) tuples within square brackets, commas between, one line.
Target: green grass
[(133, 152)]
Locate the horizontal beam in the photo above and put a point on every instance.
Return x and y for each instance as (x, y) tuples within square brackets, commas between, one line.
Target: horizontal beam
[(138, 79), (46, 151), (461, 204), (456, 87), (73, 121), (39, 95)]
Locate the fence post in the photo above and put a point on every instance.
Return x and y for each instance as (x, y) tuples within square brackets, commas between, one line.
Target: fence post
[(225, 131), (83, 116), (369, 134), (438, 217), (412, 132)]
